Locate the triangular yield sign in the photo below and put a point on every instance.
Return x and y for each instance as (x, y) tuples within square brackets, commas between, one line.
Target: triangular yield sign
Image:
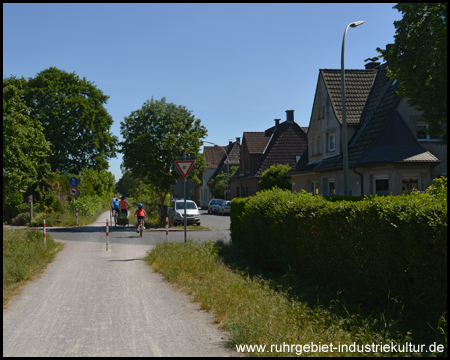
[(184, 166)]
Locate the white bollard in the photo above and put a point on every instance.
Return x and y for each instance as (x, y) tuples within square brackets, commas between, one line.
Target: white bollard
[(167, 229), (107, 235), (45, 241)]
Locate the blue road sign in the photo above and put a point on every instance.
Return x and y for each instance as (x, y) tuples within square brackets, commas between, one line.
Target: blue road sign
[(73, 181)]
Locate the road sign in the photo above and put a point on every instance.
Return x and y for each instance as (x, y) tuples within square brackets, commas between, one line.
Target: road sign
[(184, 166), (73, 181), (73, 191)]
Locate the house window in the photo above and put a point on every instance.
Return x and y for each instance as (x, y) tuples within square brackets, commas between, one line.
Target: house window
[(314, 187), (422, 133), (410, 184), (331, 144), (237, 191), (319, 143), (382, 186), (331, 187), (314, 147), (323, 111)]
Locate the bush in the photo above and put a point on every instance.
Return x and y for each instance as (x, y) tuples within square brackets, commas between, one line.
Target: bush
[(394, 245)]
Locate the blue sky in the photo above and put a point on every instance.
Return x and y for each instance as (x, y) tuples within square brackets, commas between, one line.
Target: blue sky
[(236, 66)]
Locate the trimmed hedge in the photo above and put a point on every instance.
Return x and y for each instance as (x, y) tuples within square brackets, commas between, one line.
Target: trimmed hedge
[(394, 245)]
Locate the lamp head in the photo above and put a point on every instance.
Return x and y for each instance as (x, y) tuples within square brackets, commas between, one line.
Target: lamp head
[(356, 23)]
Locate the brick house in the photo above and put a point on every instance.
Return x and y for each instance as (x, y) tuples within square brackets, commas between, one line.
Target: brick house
[(216, 162), (283, 143)]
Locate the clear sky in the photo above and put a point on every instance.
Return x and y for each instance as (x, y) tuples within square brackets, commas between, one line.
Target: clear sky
[(236, 66)]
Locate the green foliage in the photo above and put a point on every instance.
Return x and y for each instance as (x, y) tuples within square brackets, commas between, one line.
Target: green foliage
[(218, 185), (418, 61), (24, 144), (381, 245), (72, 113), (275, 176), (154, 137), (128, 184)]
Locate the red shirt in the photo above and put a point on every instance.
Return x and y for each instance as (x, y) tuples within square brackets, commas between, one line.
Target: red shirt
[(140, 212)]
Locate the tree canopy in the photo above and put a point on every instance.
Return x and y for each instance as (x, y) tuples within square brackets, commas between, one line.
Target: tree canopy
[(24, 144), (74, 119), (155, 136), (418, 61), (275, 176)]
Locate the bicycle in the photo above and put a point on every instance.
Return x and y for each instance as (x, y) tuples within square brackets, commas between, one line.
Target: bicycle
[(114, 215), (140, 226)]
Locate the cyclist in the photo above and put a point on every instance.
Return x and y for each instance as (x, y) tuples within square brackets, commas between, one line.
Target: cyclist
[(123, 205), (140, 213), (113, 200)]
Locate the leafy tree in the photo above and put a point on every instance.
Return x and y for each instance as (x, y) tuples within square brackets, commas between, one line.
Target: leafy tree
[(154, 137), (24, 146), (418, 61), (127, 185), (275, 176), (74, 118), (218, 185)]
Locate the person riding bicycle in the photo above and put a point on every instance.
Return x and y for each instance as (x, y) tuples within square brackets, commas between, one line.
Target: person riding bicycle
[(114, 202), (123, 205), (140, 213)]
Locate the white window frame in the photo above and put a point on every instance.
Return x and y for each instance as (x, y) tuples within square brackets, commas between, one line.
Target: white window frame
[(314, 187), (331, 135), (427, 136), (331, 181)]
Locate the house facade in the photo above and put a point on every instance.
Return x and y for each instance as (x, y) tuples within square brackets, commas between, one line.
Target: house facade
[(217, 162), (283, 143), (388, 149)]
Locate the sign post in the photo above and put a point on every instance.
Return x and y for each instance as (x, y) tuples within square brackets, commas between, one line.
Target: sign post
[(184, 166), (73, 191)]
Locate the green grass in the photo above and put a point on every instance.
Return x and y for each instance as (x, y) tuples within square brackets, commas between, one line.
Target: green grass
[(24, 257), (257, 311)]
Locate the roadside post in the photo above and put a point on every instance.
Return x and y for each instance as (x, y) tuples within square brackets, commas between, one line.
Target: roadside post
[(184, 166), (30, 200), (107, 235), (73, 191), (45, 242), (77, 216)]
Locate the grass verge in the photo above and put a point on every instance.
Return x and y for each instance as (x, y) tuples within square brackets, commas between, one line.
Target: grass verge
[(258, 312), (24, 257)]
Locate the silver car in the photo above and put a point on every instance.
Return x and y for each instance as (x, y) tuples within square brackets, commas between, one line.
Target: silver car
[(225, 208), (214, 204), (177, 212)]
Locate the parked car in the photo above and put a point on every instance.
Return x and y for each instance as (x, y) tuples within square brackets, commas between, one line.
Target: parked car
[(213, 206), (225, 208), (177, 212)]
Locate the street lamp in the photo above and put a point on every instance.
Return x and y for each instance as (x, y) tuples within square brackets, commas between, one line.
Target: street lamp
[(344, 115), (228, 166)]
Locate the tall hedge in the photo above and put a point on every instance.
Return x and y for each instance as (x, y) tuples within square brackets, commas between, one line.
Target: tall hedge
[(393, 245)]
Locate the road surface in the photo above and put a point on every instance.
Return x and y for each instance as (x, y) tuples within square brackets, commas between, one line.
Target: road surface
[(93, 302)]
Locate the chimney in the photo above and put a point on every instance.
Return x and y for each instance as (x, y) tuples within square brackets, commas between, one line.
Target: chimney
[(372, 65), (277, 122), (230, 143), (289, 116), (238, 140)]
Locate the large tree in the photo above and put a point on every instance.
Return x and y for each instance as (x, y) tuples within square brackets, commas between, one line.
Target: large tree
[(154, 137), (418, 61), (24, 144), (74, 118)]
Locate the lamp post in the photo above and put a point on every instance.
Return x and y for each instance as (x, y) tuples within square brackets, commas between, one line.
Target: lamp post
[(228, 166), (344, 115)]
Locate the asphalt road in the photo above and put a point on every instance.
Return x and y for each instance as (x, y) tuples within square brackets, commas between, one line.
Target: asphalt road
[(93, 302)]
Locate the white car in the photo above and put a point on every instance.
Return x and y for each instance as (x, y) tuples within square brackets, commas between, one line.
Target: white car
[(177, 212)]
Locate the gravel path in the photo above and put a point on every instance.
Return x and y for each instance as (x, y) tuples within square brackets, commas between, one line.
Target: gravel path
[(93, 302)]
